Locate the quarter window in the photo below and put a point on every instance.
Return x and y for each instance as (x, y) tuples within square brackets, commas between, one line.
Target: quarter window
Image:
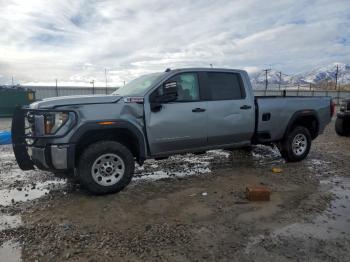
[(225, 86)]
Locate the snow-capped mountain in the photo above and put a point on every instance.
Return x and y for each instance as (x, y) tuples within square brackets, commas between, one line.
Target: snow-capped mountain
[(327, 73), (273, 77), (317, 75)]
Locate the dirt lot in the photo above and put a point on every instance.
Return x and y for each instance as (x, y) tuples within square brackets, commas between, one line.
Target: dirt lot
[(186, 208)]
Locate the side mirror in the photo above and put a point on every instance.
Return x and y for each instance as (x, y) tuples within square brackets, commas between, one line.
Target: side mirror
[(167, 93)]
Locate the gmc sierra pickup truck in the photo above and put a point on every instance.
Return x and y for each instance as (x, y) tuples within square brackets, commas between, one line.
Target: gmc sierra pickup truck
[(100, 137)]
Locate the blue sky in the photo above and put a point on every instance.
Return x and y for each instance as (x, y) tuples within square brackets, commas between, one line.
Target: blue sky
[(74, 41)]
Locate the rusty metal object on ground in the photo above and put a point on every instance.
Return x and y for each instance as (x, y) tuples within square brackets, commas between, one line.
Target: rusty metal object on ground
[(258, 193)]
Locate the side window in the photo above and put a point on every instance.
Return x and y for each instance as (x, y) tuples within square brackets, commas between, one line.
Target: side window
[(225, 86), (188, 87)]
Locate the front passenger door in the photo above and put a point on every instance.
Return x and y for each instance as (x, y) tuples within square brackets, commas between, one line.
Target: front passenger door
[(179, 125)]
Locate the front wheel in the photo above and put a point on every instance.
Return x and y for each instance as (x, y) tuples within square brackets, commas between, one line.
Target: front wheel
[(106, 167), (296, 145)]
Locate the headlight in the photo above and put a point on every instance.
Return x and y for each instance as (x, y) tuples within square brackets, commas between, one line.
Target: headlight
[(53, 121)]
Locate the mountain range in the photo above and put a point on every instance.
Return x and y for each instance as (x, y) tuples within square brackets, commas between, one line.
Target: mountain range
[(315, 76)]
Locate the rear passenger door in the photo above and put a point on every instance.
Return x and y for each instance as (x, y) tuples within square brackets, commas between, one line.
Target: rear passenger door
[(231, 116)]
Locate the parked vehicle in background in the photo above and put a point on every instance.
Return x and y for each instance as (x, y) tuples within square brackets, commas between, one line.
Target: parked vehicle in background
[(158, 115), (12, 96), (342, 124)]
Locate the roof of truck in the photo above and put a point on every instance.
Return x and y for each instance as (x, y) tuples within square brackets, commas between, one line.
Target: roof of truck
[(189, 69)]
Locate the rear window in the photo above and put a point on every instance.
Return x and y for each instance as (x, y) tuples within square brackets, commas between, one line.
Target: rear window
[(225, 86)]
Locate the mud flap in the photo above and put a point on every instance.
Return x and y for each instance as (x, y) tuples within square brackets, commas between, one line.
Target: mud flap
[(18, 140)]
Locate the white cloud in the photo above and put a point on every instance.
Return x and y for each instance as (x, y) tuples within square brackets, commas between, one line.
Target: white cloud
[(74, 41)]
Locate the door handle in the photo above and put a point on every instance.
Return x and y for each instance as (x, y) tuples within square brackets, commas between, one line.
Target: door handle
[(245, 107), (197, 110)]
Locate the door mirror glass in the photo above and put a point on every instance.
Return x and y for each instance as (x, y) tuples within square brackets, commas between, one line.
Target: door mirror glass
[(169, 92)]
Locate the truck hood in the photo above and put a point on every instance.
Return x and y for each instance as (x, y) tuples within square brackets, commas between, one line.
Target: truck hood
[(74, 100)]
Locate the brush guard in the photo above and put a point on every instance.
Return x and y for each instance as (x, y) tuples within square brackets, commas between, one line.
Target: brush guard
[(19, 136)]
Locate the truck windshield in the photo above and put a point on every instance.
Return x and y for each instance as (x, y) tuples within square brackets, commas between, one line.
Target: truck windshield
[(138, 86)]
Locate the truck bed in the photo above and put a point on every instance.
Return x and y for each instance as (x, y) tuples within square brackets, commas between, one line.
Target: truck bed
[(274, 113)]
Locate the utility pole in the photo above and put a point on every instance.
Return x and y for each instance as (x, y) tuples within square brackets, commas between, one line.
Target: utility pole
[(266, 81), (279, 84), (106, 79), (336, 77), (56, 87), (12, 81)]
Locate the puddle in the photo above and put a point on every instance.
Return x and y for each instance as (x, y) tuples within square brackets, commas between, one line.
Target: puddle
[(332, 223), (10, 252), (8, 222), (26, 193)]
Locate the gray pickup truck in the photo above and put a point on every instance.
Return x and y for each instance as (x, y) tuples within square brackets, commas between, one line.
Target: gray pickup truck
[(99, 137)]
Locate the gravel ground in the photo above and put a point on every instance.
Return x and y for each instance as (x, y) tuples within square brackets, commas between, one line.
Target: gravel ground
[(186, 208)]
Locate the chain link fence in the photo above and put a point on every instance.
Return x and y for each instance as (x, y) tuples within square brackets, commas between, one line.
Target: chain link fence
[(342, 91)]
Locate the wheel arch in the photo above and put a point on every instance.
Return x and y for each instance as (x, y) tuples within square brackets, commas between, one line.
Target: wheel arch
[(121, 131), (306, 118)]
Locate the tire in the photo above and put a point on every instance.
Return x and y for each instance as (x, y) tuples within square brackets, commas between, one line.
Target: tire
[(296, 145), (105, 167), (340, 127)]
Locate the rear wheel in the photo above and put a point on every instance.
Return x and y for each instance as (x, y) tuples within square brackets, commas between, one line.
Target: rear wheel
[(296, 145), (106, 167)]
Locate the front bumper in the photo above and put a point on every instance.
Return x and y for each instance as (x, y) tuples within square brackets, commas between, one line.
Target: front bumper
[(53, 157), (47, 157)]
